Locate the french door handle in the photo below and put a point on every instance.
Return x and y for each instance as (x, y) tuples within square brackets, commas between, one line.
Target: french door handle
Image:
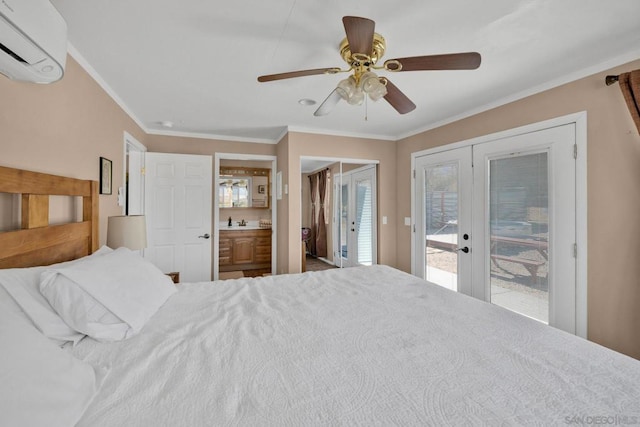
[(206, 236), (465, 249)]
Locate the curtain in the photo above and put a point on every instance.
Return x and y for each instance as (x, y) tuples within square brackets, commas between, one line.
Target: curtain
[(630, 87), (321, 239), (313, 188)]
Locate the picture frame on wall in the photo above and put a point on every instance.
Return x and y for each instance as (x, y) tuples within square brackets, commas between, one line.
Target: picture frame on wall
[(106, 174)]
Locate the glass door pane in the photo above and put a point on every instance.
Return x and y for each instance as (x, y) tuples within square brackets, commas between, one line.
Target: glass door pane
[(519, 234), (443, 219), (344, 223), (441, 224), (524, 257), (364, 220), (357, 217)]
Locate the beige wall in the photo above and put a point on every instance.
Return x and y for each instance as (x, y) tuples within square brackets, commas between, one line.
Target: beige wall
[(282, 212), (63, 128), (184, 145), (613, 195)]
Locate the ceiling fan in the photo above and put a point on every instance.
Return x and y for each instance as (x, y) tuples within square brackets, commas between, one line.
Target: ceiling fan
[(361, 50)]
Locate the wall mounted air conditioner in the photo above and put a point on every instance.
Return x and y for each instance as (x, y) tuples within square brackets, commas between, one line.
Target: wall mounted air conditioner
[(33, 41)]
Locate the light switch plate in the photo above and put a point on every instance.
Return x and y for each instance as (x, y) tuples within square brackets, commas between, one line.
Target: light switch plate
[(120, 196), (407, 221)]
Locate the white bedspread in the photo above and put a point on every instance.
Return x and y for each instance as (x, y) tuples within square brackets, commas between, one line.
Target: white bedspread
[(360, 346)]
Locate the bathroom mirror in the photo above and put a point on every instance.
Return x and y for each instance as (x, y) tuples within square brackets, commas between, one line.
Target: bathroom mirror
[(240, 187)]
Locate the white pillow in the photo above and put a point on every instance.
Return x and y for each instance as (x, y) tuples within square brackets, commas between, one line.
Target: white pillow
[(42, 385), (23, 284), (110, 297)]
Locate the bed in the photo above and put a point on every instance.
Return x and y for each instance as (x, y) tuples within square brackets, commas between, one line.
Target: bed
[(356, 346)]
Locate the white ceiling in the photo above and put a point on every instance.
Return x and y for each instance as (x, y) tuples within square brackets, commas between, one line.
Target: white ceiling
[(195, 63)]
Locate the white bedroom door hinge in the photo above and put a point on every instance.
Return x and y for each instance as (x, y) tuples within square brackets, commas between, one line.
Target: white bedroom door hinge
[(575, 250), (575, 151), (414, 174)]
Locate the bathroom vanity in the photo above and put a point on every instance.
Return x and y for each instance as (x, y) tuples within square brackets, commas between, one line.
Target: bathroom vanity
[(243, 248)]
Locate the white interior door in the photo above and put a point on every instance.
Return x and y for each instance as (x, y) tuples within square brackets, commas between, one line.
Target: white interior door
[(443, 228), (178, 210)]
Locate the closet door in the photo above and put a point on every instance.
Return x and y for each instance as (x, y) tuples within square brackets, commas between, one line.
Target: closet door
[(363, 189), (355, 242)]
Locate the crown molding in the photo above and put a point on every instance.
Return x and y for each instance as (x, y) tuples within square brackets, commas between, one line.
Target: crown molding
[(571, 77), (340, 133)]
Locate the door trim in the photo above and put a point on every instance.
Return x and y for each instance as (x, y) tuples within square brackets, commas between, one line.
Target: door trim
[(130, 144), (338, 183), (216, 206), (341, 160), (580, 121)]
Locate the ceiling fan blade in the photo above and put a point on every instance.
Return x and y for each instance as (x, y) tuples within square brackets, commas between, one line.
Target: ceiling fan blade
[(359, 34), (292, 74), (451, 61), (328, 104), (398, 100)]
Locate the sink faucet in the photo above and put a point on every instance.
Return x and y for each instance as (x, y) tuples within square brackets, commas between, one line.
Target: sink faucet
[(242, 223)]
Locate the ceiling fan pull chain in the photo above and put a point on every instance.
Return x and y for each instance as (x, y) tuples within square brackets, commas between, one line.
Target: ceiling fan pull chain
[(366, 109)]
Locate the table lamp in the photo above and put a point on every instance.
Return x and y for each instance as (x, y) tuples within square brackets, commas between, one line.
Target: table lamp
[(129, 231)]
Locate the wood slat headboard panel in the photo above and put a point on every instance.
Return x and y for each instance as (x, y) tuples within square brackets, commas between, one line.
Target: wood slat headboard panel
[(39, 243)]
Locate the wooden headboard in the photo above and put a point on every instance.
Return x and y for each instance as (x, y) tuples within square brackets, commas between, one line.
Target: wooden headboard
[(37, 242)]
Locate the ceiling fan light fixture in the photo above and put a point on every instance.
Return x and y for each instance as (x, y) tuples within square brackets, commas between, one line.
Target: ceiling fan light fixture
[(357, 98), (378, 92), (346, 88), (372, 85), (367, 80)]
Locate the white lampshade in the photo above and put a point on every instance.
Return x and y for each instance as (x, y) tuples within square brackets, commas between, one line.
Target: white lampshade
[(128, 231), (346, 88), (371, 84)]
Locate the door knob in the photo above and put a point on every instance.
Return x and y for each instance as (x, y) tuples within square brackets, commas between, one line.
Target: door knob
[(206, 236), (465, 249)]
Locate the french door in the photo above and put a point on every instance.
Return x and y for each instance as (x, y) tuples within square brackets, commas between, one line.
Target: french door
[(444, 182), (355, 218), (497, 221)]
